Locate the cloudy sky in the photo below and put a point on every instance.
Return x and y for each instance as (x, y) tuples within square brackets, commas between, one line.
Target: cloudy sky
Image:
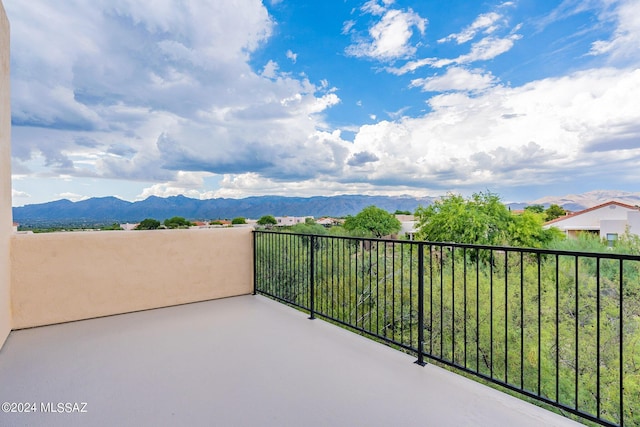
[(235, 98)]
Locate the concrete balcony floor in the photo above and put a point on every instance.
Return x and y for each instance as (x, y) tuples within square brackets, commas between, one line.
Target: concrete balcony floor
[(243, 361)]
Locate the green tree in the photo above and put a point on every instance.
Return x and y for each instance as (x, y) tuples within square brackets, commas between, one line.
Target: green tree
[(148, 224), (238, 220), (554, 211), (309, 228), (177, 222), (535, 208), (481, 219), (372, 221), (267, 220), (399, 212), (526, 230)]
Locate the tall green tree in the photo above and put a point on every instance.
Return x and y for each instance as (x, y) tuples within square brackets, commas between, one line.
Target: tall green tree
[(554, 211), (535, 208), (481, 219), (372, 221), (526, 231), (148, 224), (267, 220), (177, 222)]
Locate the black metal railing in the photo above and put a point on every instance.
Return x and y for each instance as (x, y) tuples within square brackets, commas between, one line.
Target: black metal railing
[(562, 328)]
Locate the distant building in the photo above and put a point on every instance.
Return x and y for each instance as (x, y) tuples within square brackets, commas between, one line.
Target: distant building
[(284, 221), (15, 227), (608, 220), (408, 223), (329, 222)]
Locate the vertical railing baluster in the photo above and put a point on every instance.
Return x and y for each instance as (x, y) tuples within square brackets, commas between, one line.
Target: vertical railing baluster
[(440, 310), (598, 337), (312, 272), (420, 360), (491, 313), (478, 310), (255, 257), (577, 337), (410, 294), (453, 304), (464, 261), (557, 328), (539, 355), (522, 320), (506, 316), (621, 344)]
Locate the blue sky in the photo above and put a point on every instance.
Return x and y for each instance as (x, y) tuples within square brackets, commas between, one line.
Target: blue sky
[(237, 98)]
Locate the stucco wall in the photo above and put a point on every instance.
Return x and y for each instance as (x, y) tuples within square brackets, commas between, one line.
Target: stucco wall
[(5, 179), (60, 277), (633, 220), (613, 226)]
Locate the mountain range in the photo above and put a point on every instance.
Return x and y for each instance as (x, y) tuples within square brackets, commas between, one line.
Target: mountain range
[(107, 210)]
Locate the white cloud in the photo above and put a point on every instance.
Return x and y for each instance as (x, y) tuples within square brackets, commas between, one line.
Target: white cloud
[(541, 132), (483, 50), (292, 56), (252, 184), (624, 46), (15, 194), (485, 22), (347, 26), (166, 97), (390, 37), (117, 89), (72, 196), (375, 8), (189, 184), (411, 66), (456, 79), (270, 70)]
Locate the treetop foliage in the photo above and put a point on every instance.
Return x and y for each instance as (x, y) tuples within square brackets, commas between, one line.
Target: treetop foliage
[(177, 222), (267, 220), (481, 219), (553, 212), (372, 221), (535, 208), (148, 224)]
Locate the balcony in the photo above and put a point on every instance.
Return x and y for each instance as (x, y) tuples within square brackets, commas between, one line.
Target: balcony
[(243, 361), (239, 360)]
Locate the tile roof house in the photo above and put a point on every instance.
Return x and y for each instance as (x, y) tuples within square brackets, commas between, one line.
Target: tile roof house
[(609, 220)]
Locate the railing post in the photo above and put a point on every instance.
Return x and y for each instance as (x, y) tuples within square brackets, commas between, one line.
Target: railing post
[(312, 273), (420, 360), (255, 262)]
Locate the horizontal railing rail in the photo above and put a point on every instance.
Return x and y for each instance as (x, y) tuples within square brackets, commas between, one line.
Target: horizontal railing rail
[(559, 327)]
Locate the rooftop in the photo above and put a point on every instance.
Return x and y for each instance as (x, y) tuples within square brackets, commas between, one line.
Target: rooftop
[(240, 361)]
